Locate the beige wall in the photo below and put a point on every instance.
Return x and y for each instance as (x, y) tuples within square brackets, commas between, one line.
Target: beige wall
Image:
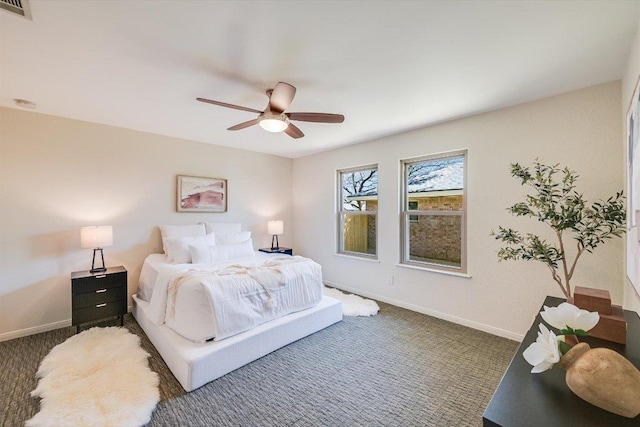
[(57, 175), (581, 129)]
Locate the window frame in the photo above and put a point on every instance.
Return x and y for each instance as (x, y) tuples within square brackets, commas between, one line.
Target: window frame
[(412, 218), (406, 214), (341, 212)]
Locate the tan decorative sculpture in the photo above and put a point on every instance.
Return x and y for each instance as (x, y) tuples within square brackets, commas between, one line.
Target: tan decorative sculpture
[(603, 378)]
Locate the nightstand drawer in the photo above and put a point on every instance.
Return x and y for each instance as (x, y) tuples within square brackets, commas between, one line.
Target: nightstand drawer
[(99, 296), (99, 311), (97, 282)]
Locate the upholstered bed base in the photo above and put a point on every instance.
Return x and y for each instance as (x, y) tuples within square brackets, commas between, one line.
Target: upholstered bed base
[(195, 364)]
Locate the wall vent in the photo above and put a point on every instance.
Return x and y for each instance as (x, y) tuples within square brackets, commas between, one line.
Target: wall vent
[(17, 7)]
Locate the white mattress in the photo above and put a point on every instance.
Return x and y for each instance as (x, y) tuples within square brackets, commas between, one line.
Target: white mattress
[(195, 364)]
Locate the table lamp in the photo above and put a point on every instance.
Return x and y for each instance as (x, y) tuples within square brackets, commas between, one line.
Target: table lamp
[(96, 237), (275, 228)]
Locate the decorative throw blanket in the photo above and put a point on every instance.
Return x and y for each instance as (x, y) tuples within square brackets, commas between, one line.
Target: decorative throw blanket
[(268, 275)]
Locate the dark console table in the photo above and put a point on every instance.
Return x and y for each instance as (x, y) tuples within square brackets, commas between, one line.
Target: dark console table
[(524, 399)]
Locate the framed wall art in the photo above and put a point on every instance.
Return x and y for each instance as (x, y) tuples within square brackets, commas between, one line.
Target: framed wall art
[(633, 189), (199, 194)]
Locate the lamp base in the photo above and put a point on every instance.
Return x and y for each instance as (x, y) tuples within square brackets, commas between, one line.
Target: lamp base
[(95, 269), (277, 245)]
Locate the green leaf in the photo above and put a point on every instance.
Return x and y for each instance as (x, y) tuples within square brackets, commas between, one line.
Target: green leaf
[(567, 331), (563, 347)]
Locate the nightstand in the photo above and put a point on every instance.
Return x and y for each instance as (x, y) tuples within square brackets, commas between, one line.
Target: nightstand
[(280, 250), (96, 296)]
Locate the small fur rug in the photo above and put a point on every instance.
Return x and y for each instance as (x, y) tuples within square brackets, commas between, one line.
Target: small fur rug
[(353, 305), (99, 377)]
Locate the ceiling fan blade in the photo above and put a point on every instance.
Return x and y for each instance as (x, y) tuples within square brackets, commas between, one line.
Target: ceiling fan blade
[(281, 97), (316, 117), (293, 131), (224, 104), (244, 125)]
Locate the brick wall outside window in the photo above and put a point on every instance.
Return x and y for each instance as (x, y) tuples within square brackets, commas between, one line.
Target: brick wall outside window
[(430, 237)]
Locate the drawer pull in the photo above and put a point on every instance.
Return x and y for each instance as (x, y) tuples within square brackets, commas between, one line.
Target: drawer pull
[(99, 291), (101, 305), (100, 276)]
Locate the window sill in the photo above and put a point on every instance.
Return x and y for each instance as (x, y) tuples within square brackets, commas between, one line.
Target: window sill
[(435, 270), (361, 258)]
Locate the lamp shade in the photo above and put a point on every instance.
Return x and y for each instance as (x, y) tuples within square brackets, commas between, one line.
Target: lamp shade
[(275, 227), (97, 236)]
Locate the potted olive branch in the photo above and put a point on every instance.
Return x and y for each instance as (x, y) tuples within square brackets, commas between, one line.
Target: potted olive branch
[(555, 202)]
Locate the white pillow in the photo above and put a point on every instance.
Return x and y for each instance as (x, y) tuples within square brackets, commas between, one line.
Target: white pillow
[(229, 252), (178, 247), (200, 254), (171, 231), (216, 254), (223, 227), (232, 238)]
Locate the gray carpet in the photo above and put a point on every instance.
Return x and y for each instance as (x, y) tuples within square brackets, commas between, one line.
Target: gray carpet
[(399, 368)]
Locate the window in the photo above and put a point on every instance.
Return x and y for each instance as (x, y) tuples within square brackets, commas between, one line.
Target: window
[(433, 212), (358, 211), (413, 206)]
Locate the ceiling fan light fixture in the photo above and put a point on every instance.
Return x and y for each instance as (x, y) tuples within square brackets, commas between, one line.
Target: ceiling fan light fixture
[(275, 123)]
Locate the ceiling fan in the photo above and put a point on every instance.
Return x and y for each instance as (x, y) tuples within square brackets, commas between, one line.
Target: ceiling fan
[(274, 118)]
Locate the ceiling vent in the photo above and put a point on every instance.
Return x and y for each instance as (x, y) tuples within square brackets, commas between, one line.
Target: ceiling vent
[(17, 7)]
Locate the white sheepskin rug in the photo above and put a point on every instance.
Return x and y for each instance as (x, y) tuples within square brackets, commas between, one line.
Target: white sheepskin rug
[(99, 377), (353, 305)]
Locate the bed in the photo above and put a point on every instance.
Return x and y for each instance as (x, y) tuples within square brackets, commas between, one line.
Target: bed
[(222, 304)]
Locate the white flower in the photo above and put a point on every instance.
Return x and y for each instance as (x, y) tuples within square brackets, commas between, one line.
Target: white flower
[(543, 353), (568, 315)]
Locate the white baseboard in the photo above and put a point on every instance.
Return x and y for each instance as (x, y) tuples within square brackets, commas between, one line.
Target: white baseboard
[(459, 320), (454, 319), (39, 329), (34, 330)]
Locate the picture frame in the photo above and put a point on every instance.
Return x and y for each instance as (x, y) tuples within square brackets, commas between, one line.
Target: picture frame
[(633, 188), (201, 194)]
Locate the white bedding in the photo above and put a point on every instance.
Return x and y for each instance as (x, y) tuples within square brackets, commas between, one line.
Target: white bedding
[(205, 301)]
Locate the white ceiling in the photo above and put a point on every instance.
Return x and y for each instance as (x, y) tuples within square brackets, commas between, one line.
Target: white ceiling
[(388, 66)]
